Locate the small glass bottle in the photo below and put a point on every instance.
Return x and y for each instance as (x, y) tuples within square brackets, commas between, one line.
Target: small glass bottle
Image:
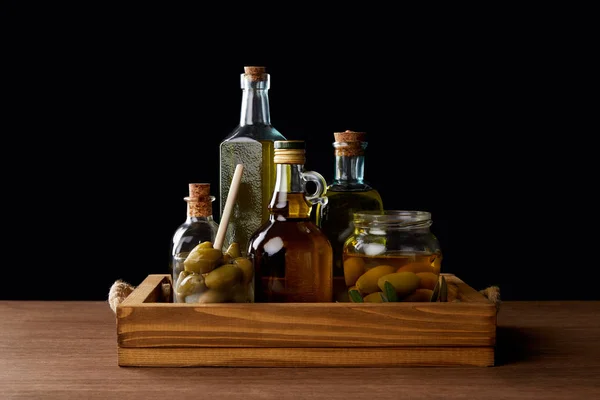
[(391, 242), (198, 227), (250, 144), (292, 256), (346, 194)]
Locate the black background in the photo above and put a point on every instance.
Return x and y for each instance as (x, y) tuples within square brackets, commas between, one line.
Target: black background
[(114, 113)]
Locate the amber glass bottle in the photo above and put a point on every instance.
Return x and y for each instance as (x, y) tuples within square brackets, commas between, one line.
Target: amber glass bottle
[(346, 194), (292, 256)]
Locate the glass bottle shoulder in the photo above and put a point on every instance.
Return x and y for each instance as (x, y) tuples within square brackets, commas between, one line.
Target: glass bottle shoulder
[(342, 199), (341, 186), (292, 229), (257, 132), (191, 233)]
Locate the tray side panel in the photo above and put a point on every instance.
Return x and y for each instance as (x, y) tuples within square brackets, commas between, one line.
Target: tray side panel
[(149, 291), (465, 293), (306, 357), (307, 325)]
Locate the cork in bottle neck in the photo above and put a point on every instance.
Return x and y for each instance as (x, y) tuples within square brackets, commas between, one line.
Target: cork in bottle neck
[(199, 200), (254, 74), (349, 143)]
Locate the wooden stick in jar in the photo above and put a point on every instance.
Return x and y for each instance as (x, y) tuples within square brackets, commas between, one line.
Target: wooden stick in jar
[(233, 190)]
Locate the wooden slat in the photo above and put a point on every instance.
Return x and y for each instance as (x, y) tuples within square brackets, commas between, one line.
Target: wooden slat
[(149, 291), (306, 325), (306, 357), (466, 293)]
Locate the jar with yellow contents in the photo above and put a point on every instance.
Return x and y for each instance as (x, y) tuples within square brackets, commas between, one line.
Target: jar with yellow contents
[(392, 256)]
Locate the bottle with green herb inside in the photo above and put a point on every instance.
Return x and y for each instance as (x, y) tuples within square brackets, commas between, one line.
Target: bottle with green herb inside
[(346, 194)]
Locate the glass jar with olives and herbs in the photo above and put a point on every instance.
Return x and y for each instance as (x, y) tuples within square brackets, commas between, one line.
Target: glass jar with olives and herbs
[(393, 256)]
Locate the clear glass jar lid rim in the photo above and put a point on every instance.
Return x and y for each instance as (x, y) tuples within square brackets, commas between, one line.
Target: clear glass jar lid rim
[(392, 216)]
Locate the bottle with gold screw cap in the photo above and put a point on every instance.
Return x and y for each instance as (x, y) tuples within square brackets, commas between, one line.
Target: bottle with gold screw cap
[(292, 256), (346, 194), (250, 144), (199, 226)]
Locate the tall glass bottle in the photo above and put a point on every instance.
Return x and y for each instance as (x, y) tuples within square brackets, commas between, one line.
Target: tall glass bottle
[(292, 257), (346, 194), (251, 144), (199, 226)]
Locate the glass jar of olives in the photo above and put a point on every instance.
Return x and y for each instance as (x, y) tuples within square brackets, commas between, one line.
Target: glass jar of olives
[(392, 256), (199, 226), (210, 276)]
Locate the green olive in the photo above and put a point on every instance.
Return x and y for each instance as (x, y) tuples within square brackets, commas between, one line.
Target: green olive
[(202, 259), (239, 293), (180, 298), (191, 284), (226, 259), (234, 250), (182, 275), (246, 266), (213, 296), (205, 245), (223, 277)]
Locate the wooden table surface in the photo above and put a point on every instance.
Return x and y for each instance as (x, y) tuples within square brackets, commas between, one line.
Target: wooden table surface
[(68, 350)]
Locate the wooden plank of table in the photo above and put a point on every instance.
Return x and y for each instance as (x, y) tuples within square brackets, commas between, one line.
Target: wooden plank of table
[(62, 350)]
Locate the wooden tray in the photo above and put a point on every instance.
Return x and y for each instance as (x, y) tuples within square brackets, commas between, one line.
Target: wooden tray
[(153, 332)]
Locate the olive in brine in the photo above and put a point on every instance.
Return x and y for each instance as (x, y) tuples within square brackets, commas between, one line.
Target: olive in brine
[(191, 284), (180, 278), (202, 259), (239, 293), (224, 277), (234, 250), (246, 266), (213, 296), (226, 259)]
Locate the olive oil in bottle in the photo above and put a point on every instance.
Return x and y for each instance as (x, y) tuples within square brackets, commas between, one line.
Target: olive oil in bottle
[(250, 144), (292, 256), (347, 194)]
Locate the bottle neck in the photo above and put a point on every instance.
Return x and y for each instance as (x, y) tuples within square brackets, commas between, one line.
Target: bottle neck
[(350, 169), (255, 107), (199, 210), (289, 199), (195, 218)]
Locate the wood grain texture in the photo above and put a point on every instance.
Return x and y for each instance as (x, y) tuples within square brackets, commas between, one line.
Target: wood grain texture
[(141, 324), (307, 357), (67, 350), (306, 325), (149, 291)]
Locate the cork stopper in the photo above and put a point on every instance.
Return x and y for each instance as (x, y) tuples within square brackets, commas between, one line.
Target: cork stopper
[(289, 152), (349, 136), (254, 73), (350, 143), (199, 201), (199, 189)]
